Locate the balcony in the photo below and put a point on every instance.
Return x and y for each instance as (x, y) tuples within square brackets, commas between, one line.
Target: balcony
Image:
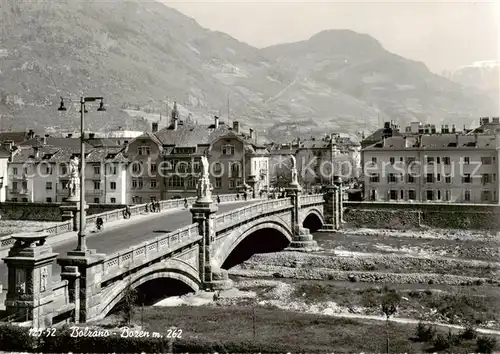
[(18, 191), (63, 192), (94, 192), (18, 177)]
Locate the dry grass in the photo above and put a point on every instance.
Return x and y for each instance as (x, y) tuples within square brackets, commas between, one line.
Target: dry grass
[(277, 330)]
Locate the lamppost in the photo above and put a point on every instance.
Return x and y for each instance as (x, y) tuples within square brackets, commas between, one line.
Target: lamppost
[(82, 246)]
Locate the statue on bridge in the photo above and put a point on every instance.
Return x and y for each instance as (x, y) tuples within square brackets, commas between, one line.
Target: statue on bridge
[(205, 166), (294, 180), (204, 186), (74, 179)]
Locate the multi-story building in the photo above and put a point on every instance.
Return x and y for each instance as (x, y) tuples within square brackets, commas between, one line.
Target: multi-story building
[(236, 159), (439, 167), (143, 182), (318, 160)]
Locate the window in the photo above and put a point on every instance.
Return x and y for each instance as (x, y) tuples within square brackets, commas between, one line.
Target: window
[(392, 160), (232, 184), (24, 185), (144, 150), (153, 168), (494, 177), (438, 160), (467, 196), (191, 182), (218, 183), (140, 183), (410, 178), (438, 195), (393, 194), (14, 199), (112, 185), (113, 200), (96, 200), (97, 185), (485, 178), (97, 170), (14, 171), (438, 177), (197, 167), (446, 161), (392, 178), (113, 169), (217, 167), (429, 178), (48, 170), (152, 184), (48, 186), (430, 160), (227, 149), (136, 167), (402, 194), (467, 178), (64, 170), (412, 195), (447, 195), (447, 179), (410, 160), (175, 181), (14, 185), (485, 196), (486, 160), (466, 160), (134, 183), (373, 194), (374, 160), (430, 195), (235, 169), (48, 200), (25, 170), (375, 178), (24, 200)]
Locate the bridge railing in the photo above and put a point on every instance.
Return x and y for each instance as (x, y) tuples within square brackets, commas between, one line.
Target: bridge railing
[(117, 214), (118, 262), (242, 214), (311, 199)]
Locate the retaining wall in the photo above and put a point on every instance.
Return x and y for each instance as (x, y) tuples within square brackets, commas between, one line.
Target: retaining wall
[(415, 215)]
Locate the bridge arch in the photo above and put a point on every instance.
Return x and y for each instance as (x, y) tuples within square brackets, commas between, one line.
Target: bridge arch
[(231, 241), (312, 219), (170, 269)]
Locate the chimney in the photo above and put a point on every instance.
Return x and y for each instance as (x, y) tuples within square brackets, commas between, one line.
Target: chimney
[(236, 127), (154, 127), (453, 129), (31, 134), (91, 135), (69, 136), (251, 134), (175, 116), (44, 140), (443, 131), (216, 122), (456, 139)]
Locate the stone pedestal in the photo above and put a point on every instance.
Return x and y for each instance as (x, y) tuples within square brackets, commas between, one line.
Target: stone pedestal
[(302, 240), (30, 296), (83, 270), (333, 208), (70, 212)]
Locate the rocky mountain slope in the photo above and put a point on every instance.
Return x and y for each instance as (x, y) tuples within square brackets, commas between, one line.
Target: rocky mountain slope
[(144, 54)]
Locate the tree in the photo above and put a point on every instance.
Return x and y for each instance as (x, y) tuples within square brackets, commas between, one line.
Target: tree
[(128, 304), (389, 302)]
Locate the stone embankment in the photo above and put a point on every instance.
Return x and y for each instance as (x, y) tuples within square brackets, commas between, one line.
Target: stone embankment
[(373, 268)]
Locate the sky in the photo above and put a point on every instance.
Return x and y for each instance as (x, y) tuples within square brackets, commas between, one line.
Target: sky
[(443, 34)]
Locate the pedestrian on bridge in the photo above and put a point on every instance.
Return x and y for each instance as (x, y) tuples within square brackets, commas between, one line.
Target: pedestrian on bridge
[(218, 199), (158, 207), (186, 205)]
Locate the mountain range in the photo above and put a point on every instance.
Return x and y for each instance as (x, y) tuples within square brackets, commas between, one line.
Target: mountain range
[(142, 56)]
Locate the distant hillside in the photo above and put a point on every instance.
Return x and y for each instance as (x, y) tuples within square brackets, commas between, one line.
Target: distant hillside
[(484, 75), (144, 54)]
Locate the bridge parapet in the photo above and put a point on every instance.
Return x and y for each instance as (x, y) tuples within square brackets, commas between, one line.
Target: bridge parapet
[(237, 216), (306, 200), (124, 261)]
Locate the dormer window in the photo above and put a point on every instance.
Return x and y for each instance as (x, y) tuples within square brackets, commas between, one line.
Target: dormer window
[(228, 149)]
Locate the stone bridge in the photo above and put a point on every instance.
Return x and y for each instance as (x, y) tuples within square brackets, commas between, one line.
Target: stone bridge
[(92, 284)]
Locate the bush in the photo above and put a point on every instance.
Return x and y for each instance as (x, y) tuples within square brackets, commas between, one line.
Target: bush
[(15, 338), (486, 345), (425, 333), (440, 342), (468, 333)]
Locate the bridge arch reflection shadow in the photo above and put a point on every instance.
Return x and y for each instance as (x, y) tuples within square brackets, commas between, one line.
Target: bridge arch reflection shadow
[(265, 240), (153, 291), (313, 222)]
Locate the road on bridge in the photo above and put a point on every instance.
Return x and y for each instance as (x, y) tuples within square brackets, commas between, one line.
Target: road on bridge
[(121, 237)]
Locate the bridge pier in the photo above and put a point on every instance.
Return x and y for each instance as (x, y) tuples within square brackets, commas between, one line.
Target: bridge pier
[(302, 240), (83, 272), (334, 207), (30, 295), (203, 211)]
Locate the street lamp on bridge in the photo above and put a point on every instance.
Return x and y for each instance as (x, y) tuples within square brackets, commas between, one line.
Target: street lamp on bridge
[(82, 246)]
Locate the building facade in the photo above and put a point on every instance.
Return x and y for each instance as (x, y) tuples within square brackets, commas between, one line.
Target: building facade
[(433, 168)]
